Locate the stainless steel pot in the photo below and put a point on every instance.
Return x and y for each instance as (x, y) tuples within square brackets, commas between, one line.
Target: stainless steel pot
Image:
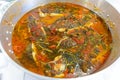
[(20, 7)]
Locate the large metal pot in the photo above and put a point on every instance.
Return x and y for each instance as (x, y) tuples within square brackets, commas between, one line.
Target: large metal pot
[(19, 8)]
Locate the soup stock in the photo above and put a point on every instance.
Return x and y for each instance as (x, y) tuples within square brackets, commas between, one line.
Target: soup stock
[(61, 42)]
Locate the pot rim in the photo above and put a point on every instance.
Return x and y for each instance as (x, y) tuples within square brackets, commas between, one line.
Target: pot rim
[(35, 74)]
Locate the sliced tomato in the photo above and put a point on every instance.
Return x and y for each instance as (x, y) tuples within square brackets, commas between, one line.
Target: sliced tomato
[(79, 41), (42, 58)]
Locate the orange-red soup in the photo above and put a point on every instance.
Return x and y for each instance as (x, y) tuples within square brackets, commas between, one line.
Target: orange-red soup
[(61, 40)]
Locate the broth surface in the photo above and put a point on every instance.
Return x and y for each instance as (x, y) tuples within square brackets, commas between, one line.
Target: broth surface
[(62, 40)]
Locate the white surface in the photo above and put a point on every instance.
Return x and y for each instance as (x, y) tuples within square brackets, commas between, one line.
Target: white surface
[(10, 72)]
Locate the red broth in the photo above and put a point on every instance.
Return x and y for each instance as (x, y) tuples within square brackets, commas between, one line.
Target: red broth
[(62, 40)]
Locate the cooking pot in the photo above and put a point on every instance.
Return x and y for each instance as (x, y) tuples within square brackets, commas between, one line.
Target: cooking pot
[(20, 7)]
